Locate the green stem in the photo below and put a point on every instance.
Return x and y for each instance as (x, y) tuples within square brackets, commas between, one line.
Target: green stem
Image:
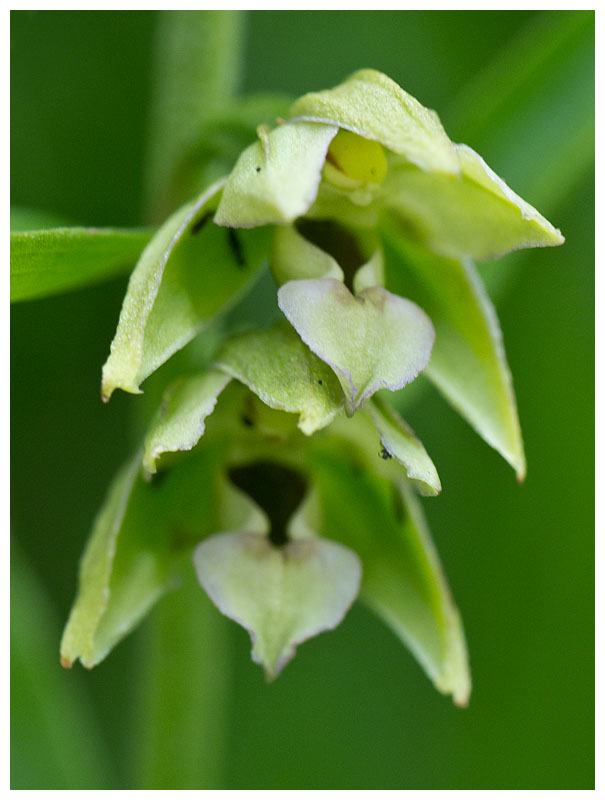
[(180, 725), (182, 728), (196, 72)]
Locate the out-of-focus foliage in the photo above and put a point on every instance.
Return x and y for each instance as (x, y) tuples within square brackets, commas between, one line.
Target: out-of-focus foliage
[(352, 711)]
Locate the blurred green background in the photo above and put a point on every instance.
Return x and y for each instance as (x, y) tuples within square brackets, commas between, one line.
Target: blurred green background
[(353, 710)]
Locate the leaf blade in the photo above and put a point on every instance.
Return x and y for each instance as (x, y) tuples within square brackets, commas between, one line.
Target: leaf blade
[(48, 261)]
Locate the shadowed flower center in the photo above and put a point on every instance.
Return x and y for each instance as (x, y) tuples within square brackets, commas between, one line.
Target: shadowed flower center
[(278, 490)]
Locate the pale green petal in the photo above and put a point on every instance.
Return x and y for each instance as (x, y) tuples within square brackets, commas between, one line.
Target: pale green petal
[(285, 374), (282, 596), (371, 341), (400, 442), (475, 214), (370, 274), (375, 107), (403, 581), (275, 180), (468, 363), (182, 419), (294, 257), (190, 271)]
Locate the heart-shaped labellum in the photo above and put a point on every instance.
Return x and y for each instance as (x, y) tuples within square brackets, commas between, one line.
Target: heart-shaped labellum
[(373, 340)]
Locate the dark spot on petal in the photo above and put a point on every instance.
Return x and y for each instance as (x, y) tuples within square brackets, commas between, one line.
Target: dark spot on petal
[(247, 421), (258, 169), (320, 382), (236, 247), (201, 222), (384, 454)]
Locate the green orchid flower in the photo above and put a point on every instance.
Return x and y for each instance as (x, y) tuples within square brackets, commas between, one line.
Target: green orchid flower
[(301, 495)]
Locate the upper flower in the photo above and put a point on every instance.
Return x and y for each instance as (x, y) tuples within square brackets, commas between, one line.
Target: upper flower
[(369, 217)]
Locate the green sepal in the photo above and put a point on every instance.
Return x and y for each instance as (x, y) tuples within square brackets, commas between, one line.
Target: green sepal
[(181, 420), (472, 214), (139, 546), (281, 595), (403, 580), (190, 271), (276, 179), (373, 340), (284, 374), (468, 364), (373, 106), (53, 260)]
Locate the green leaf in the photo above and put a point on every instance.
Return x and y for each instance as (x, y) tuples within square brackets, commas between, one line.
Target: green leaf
[(473, 214), (403, 581), (181, 421), (276, 180), (468, 363), (190, 271), (138, 548), (281, 595), (49, 261), (373, 106), (373, 340), (400, 442), (284, 374)]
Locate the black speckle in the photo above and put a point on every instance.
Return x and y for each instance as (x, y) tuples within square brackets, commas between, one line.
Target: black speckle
[(247, 421), (384, 454), (320, 382), (258, 169), (201, 222), (236, 247)]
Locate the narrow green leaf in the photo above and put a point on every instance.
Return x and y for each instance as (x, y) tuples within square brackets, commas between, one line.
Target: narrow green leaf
[(373, 106), (49, 261), (276, 180), (371, 340), (281, 595), (403, 581), (468, 363), (284, 374), (137, 549), (400, 442), (190, 271), (182, 418)]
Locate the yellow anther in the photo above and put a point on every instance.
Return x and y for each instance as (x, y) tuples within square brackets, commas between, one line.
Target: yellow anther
[(359, 158)]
